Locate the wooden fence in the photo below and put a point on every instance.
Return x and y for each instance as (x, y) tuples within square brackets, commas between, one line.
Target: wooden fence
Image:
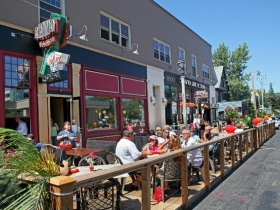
[(252, 139)]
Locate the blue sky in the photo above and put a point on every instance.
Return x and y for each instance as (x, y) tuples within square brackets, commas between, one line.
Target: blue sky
[(233, 22)]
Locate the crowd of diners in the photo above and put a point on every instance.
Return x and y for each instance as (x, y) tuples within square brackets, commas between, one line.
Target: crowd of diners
[(164, 140)]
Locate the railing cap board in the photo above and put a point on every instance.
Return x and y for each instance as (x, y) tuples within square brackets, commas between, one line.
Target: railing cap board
[(61, 180)]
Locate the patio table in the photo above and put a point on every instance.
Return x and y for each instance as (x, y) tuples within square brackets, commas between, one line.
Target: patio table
[(81, 152)]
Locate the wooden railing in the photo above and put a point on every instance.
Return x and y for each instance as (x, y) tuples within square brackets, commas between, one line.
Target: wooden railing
[(62, 186)]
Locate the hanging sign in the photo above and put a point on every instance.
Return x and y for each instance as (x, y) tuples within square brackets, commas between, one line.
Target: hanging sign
[(201, 94), (52, 35)]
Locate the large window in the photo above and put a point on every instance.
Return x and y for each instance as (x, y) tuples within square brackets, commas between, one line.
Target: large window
[(205, 71), (49, 6), (114, 30), (17, 86), (194, 72), (101, 113), (181, 53), (161, 51), (133, 113)]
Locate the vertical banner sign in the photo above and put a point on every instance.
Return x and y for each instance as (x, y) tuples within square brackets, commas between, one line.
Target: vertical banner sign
[(52, 35)]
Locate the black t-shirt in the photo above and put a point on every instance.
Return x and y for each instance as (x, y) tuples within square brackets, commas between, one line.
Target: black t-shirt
[(202, 126)]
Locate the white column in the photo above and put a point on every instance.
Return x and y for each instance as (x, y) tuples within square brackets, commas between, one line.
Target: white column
[(184, 100)]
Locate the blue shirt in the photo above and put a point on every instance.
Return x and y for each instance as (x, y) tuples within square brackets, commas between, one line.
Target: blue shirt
[(66, 139), (22, 128)]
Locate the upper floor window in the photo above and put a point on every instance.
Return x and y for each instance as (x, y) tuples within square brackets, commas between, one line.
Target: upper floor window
[(194, 72), (47, 6), (205, 71), (114, 30), (161, 51), (181, 54), (223, 82)]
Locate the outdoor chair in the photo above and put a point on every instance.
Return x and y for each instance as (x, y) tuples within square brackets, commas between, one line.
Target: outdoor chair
[(97, 161), (171, 173), (101, 195), (214, 156), (196, 171)]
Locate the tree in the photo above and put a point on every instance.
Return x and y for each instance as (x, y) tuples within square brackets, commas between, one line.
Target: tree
[(234, 64), (221, 57)]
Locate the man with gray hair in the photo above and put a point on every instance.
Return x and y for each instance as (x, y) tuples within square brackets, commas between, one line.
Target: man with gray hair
[(127, 151), (194, 156)]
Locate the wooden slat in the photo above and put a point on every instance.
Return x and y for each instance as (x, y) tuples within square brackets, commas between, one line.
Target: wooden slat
[(184, 181), (246, 143), (206, 167), (222, 159), (232, 151), (146, 186), (240, 146)]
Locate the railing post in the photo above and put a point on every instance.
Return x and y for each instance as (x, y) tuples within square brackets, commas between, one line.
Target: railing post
[(184, 181), (246, 143), (146, 188), (257, 138), (61, 196), (252, 140), (206, 167), (232, 151), (222, 159), (240, 147)]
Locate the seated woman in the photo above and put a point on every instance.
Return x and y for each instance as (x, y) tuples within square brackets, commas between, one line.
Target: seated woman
[(153, 145), (67, 135), (172, 144)]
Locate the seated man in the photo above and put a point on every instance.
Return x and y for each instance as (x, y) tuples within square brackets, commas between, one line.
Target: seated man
[(128, 153), (31, 138), (194, 156)]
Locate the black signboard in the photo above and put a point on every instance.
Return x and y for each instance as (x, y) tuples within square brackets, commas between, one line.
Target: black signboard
[(53, 77)]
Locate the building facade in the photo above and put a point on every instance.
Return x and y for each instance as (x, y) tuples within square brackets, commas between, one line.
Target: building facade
[(108, 85)]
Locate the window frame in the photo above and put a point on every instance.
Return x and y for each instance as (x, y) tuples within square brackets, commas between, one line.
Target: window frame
[(69, 76), (204, 73), (119, 34), (61, 8), (194, 66), (164, 51), (184, 53)]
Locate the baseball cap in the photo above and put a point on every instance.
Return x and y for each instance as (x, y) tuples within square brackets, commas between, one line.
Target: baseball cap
[(128, 133), (153, 137)]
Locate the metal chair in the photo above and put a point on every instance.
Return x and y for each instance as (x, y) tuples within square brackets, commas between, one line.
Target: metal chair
[(97, 161), (171, 173), (112, 158)]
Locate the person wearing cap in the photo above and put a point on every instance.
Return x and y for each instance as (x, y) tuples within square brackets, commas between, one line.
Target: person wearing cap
[(238, 128), (194, 156), (153, 145), (128, 153), (31, 138), (214, 135)]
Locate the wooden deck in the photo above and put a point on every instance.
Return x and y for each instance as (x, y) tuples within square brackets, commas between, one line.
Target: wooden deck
[(132, 199)]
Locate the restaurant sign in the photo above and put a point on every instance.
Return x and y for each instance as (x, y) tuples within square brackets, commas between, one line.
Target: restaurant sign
[(201, 94), (194, 84), (52, 35)]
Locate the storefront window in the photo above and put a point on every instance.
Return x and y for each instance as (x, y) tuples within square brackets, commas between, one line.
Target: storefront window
[(133, 113), (167, 91), (17, 86), (174, 93), (101, 113), (63, 85)]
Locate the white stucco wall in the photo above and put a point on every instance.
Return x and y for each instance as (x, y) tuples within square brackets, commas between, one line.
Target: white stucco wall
[(155, 78)]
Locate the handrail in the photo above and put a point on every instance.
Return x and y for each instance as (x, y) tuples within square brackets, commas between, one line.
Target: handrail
[(259, 134)]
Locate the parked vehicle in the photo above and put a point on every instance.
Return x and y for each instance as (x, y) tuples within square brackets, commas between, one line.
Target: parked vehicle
[(277, 121)]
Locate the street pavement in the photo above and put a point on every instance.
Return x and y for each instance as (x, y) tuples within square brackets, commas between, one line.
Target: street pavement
[(254, 185)]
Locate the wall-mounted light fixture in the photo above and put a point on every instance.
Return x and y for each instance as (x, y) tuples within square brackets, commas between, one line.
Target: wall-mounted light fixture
[(134, 46), (153, 100), (164, 101), (83, 33)]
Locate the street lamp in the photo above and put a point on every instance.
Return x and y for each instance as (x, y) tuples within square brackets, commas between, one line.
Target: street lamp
[(181, 68)]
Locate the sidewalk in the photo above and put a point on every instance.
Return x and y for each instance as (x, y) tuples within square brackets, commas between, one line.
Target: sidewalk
[(254, 185)]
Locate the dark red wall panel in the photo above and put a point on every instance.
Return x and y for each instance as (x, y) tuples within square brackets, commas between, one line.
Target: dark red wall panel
[(133, 87), (96, 81)]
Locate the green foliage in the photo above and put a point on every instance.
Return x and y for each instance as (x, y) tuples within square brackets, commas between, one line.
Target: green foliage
[(231, 113), (26, 160), (132, 108), (234, 64)]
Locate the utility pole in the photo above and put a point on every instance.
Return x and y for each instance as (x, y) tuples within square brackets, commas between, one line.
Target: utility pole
[(261, 77), (254, 95)]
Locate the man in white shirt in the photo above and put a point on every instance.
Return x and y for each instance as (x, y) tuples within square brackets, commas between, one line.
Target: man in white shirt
[(127, 151), (194, 156), (22, 127)]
